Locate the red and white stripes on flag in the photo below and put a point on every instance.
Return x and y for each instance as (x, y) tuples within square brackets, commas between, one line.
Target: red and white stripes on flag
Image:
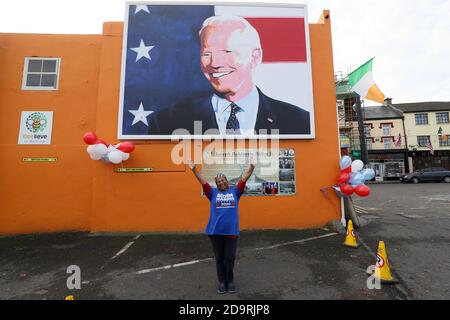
[(398, 142), (430, 147)]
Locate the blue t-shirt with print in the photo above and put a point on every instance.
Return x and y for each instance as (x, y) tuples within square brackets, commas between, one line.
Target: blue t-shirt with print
[(223, 218)]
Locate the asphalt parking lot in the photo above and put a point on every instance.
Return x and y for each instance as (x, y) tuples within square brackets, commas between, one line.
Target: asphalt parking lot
[(304, 264), (413, 220)]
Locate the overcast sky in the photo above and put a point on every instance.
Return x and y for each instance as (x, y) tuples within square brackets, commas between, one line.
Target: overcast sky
[(408, 38)]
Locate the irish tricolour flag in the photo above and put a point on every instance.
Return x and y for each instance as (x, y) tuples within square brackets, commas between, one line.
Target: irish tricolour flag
[(361, 81)]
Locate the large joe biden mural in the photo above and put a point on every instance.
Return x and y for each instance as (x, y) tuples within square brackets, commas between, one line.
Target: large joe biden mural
[(207, 71)]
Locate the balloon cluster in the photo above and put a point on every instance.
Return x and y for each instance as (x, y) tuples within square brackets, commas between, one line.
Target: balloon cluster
[(352, 177), (99, 149)]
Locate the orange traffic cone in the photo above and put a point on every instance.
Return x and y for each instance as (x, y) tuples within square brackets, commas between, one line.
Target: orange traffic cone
[(350, 239), (382, 270)]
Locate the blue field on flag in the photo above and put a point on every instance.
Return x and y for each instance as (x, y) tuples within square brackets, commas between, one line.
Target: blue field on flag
[(171, 71)]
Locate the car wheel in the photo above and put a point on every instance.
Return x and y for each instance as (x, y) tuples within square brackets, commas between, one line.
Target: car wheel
[(415, 180), (447, 179)]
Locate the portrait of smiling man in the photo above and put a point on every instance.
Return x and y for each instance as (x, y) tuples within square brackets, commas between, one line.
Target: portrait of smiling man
[(230, 51)]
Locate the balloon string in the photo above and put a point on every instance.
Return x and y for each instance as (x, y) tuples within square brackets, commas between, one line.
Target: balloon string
[(325, 191)]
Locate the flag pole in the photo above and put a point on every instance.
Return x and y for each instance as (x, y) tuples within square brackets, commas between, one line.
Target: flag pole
[(362, 132)]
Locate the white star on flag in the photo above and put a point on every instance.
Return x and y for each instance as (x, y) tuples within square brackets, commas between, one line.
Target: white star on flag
[(142, 51), (140, 115), (140, 7)]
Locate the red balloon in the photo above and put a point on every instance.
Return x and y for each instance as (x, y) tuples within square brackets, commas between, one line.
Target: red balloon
[(343, 177), (126, 147), (362, 190), (347, 170), (347, 189), (102, 142), (90, 138)]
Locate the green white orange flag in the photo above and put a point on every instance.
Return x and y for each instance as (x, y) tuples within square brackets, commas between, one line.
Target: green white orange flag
[(361, 81), (444, 137)]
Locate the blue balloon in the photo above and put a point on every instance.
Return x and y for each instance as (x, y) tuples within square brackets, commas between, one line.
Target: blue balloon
[(368, 174), (345, 162), (356, 178), (105, 158)]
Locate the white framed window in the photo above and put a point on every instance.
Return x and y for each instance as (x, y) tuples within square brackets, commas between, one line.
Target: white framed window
[(369, 144), (444, 141), (423, 141), (41, 73), (387, 143), (421, 118), (386, 129), (442, 117)]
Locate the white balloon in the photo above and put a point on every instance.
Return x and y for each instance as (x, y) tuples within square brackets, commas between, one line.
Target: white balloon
[(91, 149), (111, 148), (115, 157), (357, 165), (100, 149), (125, 156), (95, 156)]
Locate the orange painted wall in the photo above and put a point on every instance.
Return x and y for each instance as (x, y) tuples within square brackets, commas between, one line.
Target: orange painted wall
[(46, 197), (77, 193)]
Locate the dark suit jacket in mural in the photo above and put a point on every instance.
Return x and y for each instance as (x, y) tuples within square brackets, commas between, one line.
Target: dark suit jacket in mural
[(272, 114)]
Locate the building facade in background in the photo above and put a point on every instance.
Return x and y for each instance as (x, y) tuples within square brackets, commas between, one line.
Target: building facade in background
[(386, 141), (400, 138), (428, 132)]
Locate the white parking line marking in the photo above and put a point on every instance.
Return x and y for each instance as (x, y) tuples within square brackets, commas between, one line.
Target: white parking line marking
[(182, 264), (170, 266), (126, 247), (296, 241)]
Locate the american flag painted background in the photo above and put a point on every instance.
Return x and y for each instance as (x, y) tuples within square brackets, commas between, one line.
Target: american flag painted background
[(161, 60)]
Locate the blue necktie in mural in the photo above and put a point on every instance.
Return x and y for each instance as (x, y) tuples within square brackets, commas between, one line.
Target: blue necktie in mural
[(233, 122)]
